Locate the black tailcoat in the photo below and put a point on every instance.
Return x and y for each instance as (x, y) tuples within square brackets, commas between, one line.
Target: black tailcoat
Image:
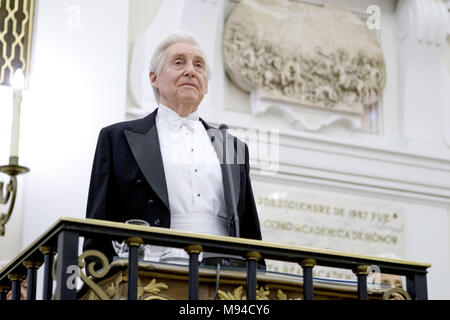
[(128, 181)]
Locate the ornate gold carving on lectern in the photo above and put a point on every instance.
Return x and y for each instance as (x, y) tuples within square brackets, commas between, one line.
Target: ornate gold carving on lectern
[(237, 294), (96, 289), (261, 294), (154, 288), (169, 282)]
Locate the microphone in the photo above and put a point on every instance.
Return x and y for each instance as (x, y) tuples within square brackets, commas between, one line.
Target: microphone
[(223, 128)]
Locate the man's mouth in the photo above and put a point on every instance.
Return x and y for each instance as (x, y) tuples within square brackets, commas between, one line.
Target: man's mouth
[(189, 85)]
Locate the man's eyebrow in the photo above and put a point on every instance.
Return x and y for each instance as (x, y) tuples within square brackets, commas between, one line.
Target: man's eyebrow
[(177, 55), (199, 58), (182, 55)]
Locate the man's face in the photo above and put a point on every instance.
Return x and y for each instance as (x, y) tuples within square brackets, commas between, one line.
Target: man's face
[(183, 79)]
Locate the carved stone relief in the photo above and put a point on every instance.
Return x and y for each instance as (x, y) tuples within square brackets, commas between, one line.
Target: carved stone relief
[(320, 57)]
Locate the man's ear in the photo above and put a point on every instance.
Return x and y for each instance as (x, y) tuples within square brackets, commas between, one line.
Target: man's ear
[(153, 79)]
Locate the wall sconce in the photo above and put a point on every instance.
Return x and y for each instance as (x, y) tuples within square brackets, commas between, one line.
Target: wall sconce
[(16, 23), (13, 169)]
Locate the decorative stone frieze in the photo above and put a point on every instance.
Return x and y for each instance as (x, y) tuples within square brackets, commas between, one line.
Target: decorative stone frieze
[(322, 57)]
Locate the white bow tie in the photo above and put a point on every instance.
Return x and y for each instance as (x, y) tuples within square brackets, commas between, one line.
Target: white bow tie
[(177, 124)]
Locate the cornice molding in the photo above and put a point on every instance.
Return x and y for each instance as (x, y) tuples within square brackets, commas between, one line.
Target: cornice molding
[(333, 163)]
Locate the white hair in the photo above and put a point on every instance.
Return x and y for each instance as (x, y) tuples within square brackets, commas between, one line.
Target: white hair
[(159, 56)]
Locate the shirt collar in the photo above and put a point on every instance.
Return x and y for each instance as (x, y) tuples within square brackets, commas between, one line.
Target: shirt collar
[(167, 114)]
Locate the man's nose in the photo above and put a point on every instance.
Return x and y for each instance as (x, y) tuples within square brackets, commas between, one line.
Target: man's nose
[(189, 71)]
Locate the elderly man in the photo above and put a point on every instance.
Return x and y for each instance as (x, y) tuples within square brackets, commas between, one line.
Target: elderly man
[(168, 168)]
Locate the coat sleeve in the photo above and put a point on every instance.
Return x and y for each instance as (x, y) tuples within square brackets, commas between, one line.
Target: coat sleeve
[(250, 227), (100, 175), (100, 192), (249, 224)]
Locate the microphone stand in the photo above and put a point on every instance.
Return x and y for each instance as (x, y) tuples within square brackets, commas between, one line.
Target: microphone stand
[(223, 128)]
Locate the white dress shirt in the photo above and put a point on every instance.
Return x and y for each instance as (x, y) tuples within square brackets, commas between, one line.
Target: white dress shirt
[(193, 177)]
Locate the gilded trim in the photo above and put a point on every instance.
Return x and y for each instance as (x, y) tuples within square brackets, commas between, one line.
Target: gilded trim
[(95, 274), (16, 276), (46, 250), (254, 255), (361, 270), (154, 288), (194, 248), (134, 241), (238, 294), (308, 263), (32, 264)]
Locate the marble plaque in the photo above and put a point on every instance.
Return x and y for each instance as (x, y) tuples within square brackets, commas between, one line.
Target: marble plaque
[(343, 223)]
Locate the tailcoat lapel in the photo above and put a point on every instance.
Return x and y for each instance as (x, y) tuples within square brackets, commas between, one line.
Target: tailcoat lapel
[(147, 153)]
